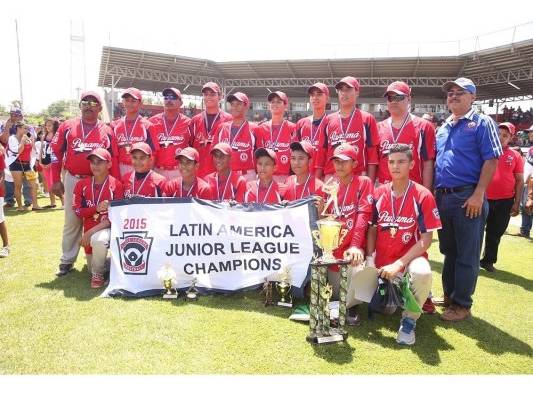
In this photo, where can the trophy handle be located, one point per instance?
(343, 234)
(316, 236)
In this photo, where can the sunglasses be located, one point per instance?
(92, 104)
(395, 98)
(456, 93)
(170, 98)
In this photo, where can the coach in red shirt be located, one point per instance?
(503, 194)
(72, 143)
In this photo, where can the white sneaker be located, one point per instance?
(406, 333)
(4, 252)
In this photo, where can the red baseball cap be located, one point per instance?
(212, 86)
(398, 87)
(305, 146)
(171, 91)
(281, 95)
(350, 81)
(264, 152)
(345, 152)
(319, 86)
(222, 147)
(510, 127)
(132, 91)
(101, 153)
(190, 153)
(93, 94)
(141, 146)
(239, 97)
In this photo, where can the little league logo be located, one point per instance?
(406, 237)
(134, 252)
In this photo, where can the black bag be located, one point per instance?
(386, 299)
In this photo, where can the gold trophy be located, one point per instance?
(284, 287)
(168, 276)
(328, 237)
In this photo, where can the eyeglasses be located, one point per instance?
(395, 98)
(92, 104)
(170, 98)
(456, 93)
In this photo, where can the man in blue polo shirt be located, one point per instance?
(468, 148)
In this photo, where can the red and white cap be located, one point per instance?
(398, 87)
(101, 153)
(93, 94)
(281, 95)
(304, 146)
(141, 146)
(239, 96)
(212, 86)
(222, 147)
(349, 81)
(319, 86)
(132, 91)
(190, 153)
(264, 152)
(172, 91)
(345, 152)
(510, 127)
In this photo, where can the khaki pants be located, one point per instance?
(97, 262)
(72, 227)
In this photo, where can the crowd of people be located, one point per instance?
(399, 180)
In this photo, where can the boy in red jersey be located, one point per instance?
(189, 185)
(142, 181)
(404, 216)
(265, 190)
(90, 202)
(226, 185)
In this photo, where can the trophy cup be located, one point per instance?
(168, 276)
(328, 237)
(267, 290)
(192, 293)
(284, 287)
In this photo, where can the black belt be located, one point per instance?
(455, 189)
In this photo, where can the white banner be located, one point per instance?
(224, 247)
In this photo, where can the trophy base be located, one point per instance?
(192, 297)
(170, 296)
(284, 304)
(334, 337)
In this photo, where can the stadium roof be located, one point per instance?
(494, 71)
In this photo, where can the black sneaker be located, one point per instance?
(352, 317)
(488, 266)
(64, 269)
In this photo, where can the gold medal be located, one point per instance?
(393, 231)
(96, 216)
(128, 148)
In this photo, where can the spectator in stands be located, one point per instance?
(468, 148)
(503, 194)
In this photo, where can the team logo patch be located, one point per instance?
(472, 124)
(349, 224)
(134, 252)
(509, 160)
(406, 237)
(244, 157)
(436, 213)
(284, 159)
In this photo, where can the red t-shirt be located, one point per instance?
(149, 184)
(86, 197)
(419, 214)
(243, 141)
(417, 133)
(232, 187)
(359, 130)
(502, 185)
(126, 133)
(295, 191)
(25, 155)
(200, 189)
(203, 129)
(279, 138)
(169, 138)
(314, 131)
(2, 168)
(267, 195)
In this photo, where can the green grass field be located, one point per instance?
(52, 325)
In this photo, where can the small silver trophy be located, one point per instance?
(192, 293)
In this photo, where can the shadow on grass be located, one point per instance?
(75, 285)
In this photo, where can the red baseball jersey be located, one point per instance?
(73, 142)
(200, 189)
(417, 133)
(265, 195)
(2, 168)
(359, 130)
(169, 138)
(279, 138)
(126, 133)
(149, 184)
(295, 191)
(86, 197)
(243, 141)
(232, 187)
(203, 128)
(315, 132)
(409, 215)
(502, 185)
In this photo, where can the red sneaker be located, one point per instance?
(428, 307)
(97, 280)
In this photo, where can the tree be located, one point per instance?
(62, 108)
